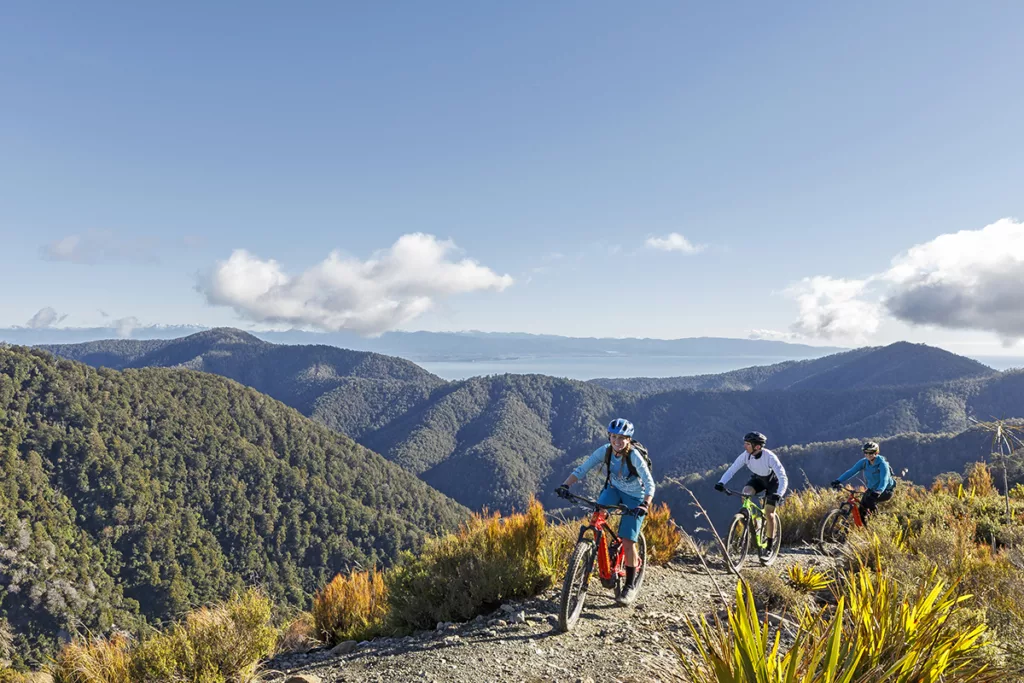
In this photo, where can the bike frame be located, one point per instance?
(607, 567)
(755, 511)
(852, 505)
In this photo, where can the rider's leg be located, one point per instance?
(869, 503)
(629, 530)
(769, 527)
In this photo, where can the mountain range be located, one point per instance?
(495, 441)
(455, 346)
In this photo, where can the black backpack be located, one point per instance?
(636, 446)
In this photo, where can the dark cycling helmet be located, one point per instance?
(756, 438)
(621, 425)
(870, 447)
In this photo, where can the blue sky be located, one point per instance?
(141, 145)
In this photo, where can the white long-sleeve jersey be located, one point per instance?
(763, 466)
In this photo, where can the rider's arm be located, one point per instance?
(645, 475)
(780, 472)
(734, 468)
(590, 463)
(859, 466)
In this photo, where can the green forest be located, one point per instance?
(129, 497)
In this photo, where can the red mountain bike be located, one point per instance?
(837, 523)
(611, 566)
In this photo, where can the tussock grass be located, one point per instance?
(212, 645)
(95, 660)
(663, 537)
(351, 607)
(489, 559)
(298, 635)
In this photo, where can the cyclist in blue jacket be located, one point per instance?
(878, 476)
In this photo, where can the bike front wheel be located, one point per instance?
(574, 588)
(737, 543)
(833, 530)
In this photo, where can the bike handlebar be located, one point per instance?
(618, 507)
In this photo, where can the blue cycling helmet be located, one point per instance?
(621, 425)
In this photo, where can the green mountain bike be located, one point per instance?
(747, 529)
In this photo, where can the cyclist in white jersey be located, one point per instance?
(768, 475)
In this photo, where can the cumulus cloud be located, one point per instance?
(832, 308)
(673, 242)
(972, 279)
(45, 317)
(125, 326)
(968, 280)
(369, 297)
(101, 246)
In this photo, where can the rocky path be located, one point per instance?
(521, 641)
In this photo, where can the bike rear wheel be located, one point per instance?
(834, 530)
(737, 543)
(574, 588)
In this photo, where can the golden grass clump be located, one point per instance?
(663, 537)
(95, 660)
(351, 607)
(212, 645)
(298, 635)
(456, 576)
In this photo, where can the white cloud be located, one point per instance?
(832, 308)
(370, 297)
(101, 246)
(972, 279)
(45, 317)
(125, 326)
(968, 280)
(673, 242)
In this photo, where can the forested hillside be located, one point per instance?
(138, 494)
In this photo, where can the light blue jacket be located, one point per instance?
(878, 475)
(638, 487)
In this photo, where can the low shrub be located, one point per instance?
(662, 534)
(771, 592)
(351, 608)
(95, 660)
(212, 645)
(803, 512)
(876, 632)
(299, 635)
(458, 575)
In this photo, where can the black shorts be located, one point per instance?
(769, 484)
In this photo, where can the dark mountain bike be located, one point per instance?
(593, 543)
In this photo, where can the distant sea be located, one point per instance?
(590, 367)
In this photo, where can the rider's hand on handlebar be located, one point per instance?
(720, 486)
(640, 510)
(562, 491)
(836, 484)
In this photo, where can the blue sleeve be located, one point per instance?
(589, 464)
(859, 467)
(884, 474)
